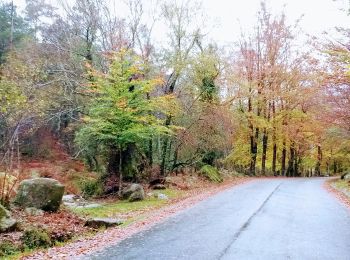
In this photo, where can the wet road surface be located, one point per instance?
(262, 219)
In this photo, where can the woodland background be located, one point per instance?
(100, 88)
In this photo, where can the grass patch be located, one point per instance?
(120, 208)
(342, 185)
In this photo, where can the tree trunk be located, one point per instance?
(120, 168)
(253, 152)
(264, 152)
(319, 160)
(113, 161)
(296, 165)
(150, 153)
(274, 158)
(274, 153)
(170, 89)
(291, 162)
(284, 157)
(150, 144)
(164, 156)
(176, 153)
(165, 148)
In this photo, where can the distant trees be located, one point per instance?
(276, 100)
(13, 28)
(337, 86)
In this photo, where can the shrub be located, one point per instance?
(90, 187)
(211, 173)
(7, 182)
(36, 238)
(8, 248)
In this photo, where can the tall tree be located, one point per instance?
(120, 113)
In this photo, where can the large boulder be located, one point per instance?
(40, 193)
(7, 223)
(133, 192)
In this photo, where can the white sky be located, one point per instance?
(230, 16)
(318, 15)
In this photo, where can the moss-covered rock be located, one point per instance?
(40, 193)
(211, 173)
(7, 223)
(134, 192)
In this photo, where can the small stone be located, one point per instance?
(162, 196)
(71, 198)
(90, 206)
(34, 211)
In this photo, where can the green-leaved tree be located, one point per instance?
(120, 114)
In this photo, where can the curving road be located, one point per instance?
(262, 219)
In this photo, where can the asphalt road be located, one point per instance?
(263, 219)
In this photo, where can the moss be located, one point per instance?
(7, 248)
(211, 173)
(36, 238)
(3, 212)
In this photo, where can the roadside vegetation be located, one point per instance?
(342, 185)
(127, 210)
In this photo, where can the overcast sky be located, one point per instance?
(318, 15)
(230, 16)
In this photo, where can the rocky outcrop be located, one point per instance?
(7, 223)
(40, 193)
(133, 192)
